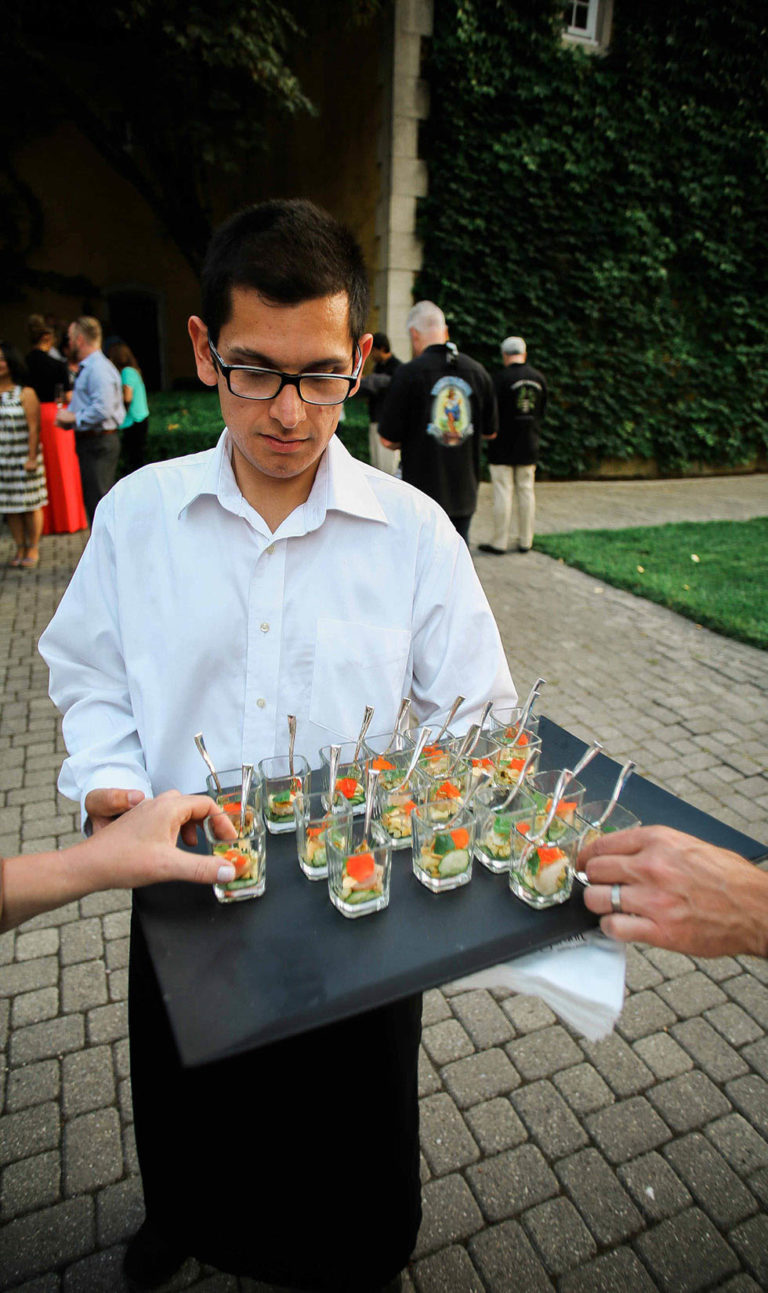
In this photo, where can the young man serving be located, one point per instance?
(271, 575)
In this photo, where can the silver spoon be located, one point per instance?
(535, 841)
(402, 714)
(485, 774)
(458, 701)
(477, 730)
(424, 736)
(291, 743)
(621, 781)
(334, 755)
(527, 707)
(363, 729)
(500, 808)
(200, 743)
(245, 790)
(586, 758)
(371, 777)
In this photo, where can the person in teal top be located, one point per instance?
(134, 428)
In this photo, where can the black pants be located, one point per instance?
(461, 524)
(98, 457)
(297, 1164)
(135, 445)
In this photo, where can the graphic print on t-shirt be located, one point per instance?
(451, 418)
(527, 397)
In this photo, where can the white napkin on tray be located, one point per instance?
(581, 979)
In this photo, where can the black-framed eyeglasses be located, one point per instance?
(267, 383)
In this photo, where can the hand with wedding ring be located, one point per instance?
(656, 885)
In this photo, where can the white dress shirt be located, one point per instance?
(187, 614)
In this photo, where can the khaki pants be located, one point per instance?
(506, 481)
(387, 460)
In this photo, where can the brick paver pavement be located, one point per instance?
(549, 1162)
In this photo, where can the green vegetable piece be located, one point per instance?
(282, 797)
(443, 844)
(503, 824)
(454, 862)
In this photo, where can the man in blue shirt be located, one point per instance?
(96, 411)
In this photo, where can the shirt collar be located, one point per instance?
(341, 485)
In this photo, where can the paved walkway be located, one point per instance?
(637, 1163)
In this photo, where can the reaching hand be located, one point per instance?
(677, 892)
(139, 847)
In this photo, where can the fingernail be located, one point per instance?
(226, 873)
(135, 796)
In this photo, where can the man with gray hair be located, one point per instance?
(437, 410)
(521, 392)
(96, 411)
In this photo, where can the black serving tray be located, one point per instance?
(237, 976)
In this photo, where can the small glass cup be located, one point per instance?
(496, 824)
(312, 817)
(505, 725)
(279, 789)
(436, 756)
(358, 869)
(350, 777)
(247, 853)
(542, 787)
(543, 876)
(440, 796)
(621, 819)
(442, 855)
(229, 798)
(396, 800)
(510, 761)
(484, 756)
(376, 745)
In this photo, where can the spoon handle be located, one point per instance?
(586, 758)
(364, 728)
(621, 781)
(423, 737)
(402, 714)
(245, 790)
(535, 841)
(527, 707)
(371, 777)
(520, 781)
(291, 742)
(458, 701)
(334, 755)
(200, 743)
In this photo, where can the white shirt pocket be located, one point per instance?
(358, 664)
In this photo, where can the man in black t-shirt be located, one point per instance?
(375, 387)
(521, 392)
(437, 410)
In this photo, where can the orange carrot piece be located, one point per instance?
(550, 855)
(460, 837)
(347, 786)
(360, 866)
(448, 791)
(382, 765)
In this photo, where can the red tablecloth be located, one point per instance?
(65, 511)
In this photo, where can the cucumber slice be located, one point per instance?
(454, 863)
(362, 895)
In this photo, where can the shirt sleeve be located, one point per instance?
(457, 649)
(88, 683)
(397, 409)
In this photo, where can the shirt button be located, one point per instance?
(264, 627)
(261, 702)
(271, 549)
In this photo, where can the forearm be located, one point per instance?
(42, 881)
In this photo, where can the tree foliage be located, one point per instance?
(614, 211)
(171, 94)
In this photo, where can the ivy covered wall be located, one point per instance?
(613, 210)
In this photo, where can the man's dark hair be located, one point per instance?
(288, 252)
(16, 366)
(380, 341)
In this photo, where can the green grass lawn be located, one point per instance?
(714, 572)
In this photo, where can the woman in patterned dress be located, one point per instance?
(22, 479)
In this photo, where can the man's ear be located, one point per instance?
(204, 364)
(365, 343)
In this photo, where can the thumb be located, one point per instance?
(111, 802)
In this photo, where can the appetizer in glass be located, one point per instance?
(359, 865)
(442, 853)
(280, 784)
(248, 855)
